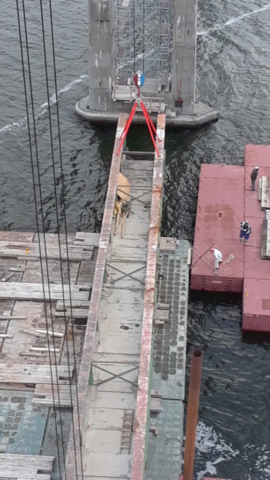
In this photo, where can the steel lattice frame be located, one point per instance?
(144, 32)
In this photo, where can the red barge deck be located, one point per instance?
(226, 199)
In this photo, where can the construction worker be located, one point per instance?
(253, 176)
(245, 231)
(218, 257)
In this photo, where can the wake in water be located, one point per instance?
(210, 443)
(44, 107)
(233, 20)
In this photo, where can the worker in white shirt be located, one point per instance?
(218, 257)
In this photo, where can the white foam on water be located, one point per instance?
(44, 107)
(210, 443)
(233, 20)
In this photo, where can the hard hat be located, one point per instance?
(256, 168)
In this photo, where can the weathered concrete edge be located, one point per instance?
(89, 340)
(141, 419)
(183, 121)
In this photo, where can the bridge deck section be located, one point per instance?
(115, 368)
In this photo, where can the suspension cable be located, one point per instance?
(57, 222)
(143, 33)
(184, 44)
(67, 250)
(34, 181)
(134, 37)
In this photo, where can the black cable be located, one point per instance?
(143, 31)
(57, 218)
(134, 37)
(184, 43)
(44, 237)
(67, 248)
(33, 173)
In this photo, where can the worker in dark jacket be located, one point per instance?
(245, 231)
(253, 176)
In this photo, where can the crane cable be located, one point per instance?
(183, 51)
(58, 222)
(35, 189)
(67, 247)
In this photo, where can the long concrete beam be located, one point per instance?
(73, 460)
(143, 396)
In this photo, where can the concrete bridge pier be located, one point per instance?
(159, 38)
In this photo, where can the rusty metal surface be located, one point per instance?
(142, 409)
(94, 308)
(192, 413)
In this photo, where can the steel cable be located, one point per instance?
(34, 184)
(58, 228)
(67, 248)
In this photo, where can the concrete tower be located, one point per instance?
(156, 37)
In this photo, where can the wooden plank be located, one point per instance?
(46, 395)
(155, 405)
(18, 373)
(81, 304)
(40, 476)
(75, 313)
(168, 244)
(16, 236)
(162, 306)
(34, 291)
(18, 472)
(162, 315)
(29, 459)
(50, 332)
(53, 238)
(31, 250)
(87, 238)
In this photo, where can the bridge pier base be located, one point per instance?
(159, 38)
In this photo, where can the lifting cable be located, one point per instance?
(35, 191)
(56, 205)
(134, 37)
(67, 252)
(143, 52)
(179, 92)
(43, 223)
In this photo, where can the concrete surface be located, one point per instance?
(168, 46)
(201, 116)
(169, 367)
(115, 364)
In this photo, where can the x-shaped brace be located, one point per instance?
(113, 375)
(135, 198)
(126, 274)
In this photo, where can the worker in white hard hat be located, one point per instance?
(218, 257)
(253, 176)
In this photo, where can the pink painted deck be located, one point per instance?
(225, 199)
(219, 213)
(256, 293)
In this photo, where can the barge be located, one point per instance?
(225, 200)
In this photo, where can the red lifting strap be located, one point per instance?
(150, 125)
